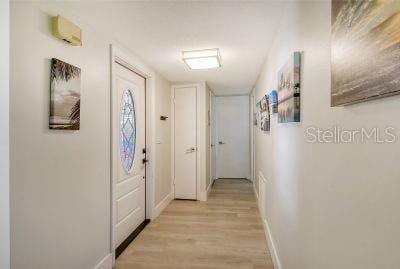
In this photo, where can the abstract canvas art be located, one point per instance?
(289, 90)
(365, 50)
(65, 84)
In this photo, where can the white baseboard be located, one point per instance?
(106, 262)
(271, 246)
(255, 191)
(204, 194)
(162, 205)
(260, 195)
(209, 187)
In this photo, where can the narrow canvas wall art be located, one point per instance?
(65, 84)
(264, 114)
(365, 50)
(289, 90)
(273, 100)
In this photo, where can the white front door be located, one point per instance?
(129, 174)
(185, 141)
(233, 147)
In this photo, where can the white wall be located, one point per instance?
(163, 139)
(328, 206)
(60, 187)
(4, 136)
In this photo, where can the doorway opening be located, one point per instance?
(132, 187)
(233, 137)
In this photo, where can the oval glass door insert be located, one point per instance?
(127, 130)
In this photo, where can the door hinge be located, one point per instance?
(144, 160)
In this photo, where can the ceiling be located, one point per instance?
(158, 31)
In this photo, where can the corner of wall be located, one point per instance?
(260, 196)
(204, 194)
(105, 263)
(271, 245)
(255, 191)
(158, 209)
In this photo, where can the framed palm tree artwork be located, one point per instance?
(65, 84)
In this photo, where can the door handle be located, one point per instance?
(221, 143)
(190, 150)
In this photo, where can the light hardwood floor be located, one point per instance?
(224, 232)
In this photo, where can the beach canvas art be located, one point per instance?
(264, 114)
(65, 84)
(289, 90)
(365, 50)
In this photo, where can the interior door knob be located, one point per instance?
(190, 150)
(221, 143)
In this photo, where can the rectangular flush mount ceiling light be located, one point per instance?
(202, 59)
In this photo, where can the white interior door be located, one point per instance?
(233, 148)
(185, 141)
(128, 145)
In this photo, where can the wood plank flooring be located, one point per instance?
(224, 232)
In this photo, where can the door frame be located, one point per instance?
(252, 130)
(5, 104)
(130, 62)
(198, 138)
(213, 130)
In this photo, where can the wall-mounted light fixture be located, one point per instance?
(202, 59)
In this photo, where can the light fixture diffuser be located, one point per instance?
(202, 59)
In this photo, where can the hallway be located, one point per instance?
(224, 232)
(244, 134)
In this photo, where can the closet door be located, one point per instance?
(185, 142)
